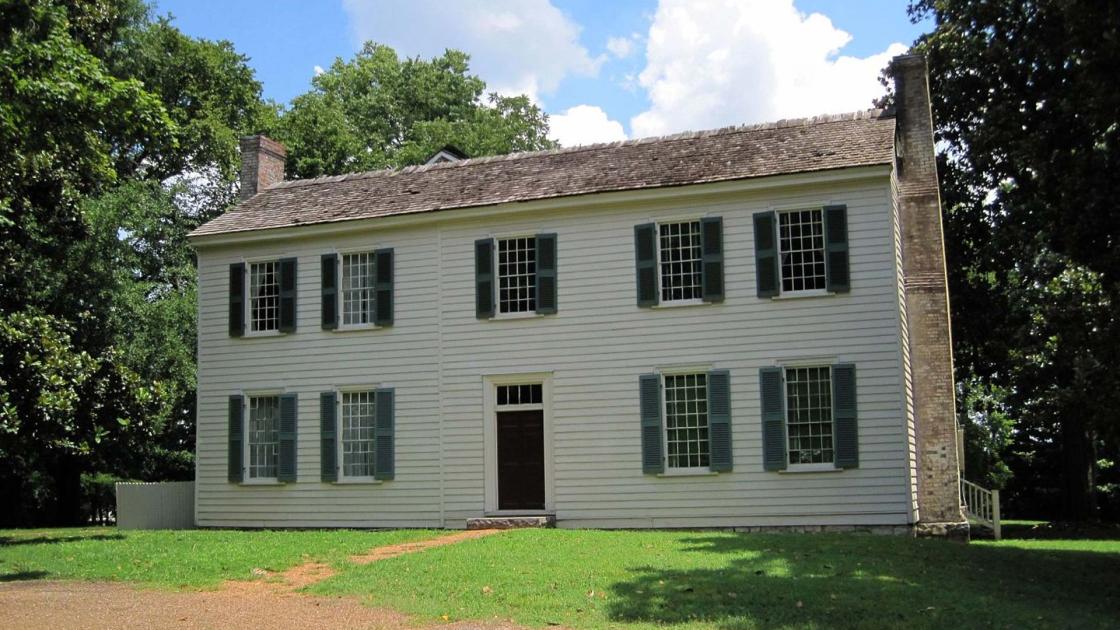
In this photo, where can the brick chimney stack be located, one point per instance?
(262, 164)
(927, 303)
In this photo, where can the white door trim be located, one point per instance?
(490, 431)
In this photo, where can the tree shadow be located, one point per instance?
(13, 541)
(1063, 531)
(837, 581)
(22, 576)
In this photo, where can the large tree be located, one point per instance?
(1027, 116)
(378, 110)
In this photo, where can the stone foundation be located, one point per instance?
(952, 531)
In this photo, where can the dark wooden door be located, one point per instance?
(521, 460)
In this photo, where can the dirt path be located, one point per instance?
(271, 602)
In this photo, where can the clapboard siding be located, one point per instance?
(437, 353)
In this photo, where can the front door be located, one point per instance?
(521, 460)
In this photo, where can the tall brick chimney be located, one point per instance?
(927, 304)
(262, 164)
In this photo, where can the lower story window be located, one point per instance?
(686, 420)
(357, 434)
(263, 436)
(809, 414)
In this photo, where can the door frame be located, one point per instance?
(490, 385)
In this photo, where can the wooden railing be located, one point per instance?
(981, 505)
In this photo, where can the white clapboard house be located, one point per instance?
(745, 327)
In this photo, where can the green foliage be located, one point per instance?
(377, 111)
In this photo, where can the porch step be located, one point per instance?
(511, 522)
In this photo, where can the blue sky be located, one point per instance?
(603, 70)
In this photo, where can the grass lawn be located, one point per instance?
(177, 559)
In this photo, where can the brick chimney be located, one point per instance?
(262, 164)
(927, 304)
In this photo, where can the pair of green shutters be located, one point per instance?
(772, 395)
(484, 276)
(711, 261)
(768, 268)
(286, 268)
(383, 438)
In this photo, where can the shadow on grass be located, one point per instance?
(23, 576)
(12, 541)
(871, 582)
(1052, 531)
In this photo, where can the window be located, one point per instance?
(357, 289)
(519, 394)
(263, 436)
(264, 296)
(801, 243)
(679, 247)
(517, 275)
(809, 415)
(686, 420)
(357, 439)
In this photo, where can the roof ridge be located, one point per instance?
(868, 114)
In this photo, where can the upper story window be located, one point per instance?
(809, 414)
(802, 249)
(357, 440)
(264, 296)
(680, 260)
(686, 420)
(517, 275)
(263, 436)
(358, 289)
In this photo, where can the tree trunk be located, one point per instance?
(1077, 470)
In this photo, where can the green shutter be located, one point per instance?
(287, 295)
(383, 440)
(329, 286)
(645, 258)
(484, 278)
(236, 438)
(546, 273)
(328, 446)
(649, 397)
(383, 277)
(237, 299)
(836, 248)
(844, 417)
(289, 425)
(719, 420)
(766, 266)
(711, 248)
(772, 401)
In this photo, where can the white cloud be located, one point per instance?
(620, 47)
(584, 124)
(516, 46)
(319, 70)
(714, 63)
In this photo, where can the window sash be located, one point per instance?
(262, 436)
(809, 430)
(685, 413)
(356, 432)
(264, 296)
(801, 250)
(517, 274)
(679, 261)
(357, 288)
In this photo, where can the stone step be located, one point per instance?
(511, 522)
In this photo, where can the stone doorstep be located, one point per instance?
(511, 522)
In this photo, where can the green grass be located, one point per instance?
(177, 559)
(595, 579)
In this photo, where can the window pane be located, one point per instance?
(264, 436)
(517, 275)
(680, 261)
(357, 288)
(686, 420)
(802, 245)
(519, 394)
(357, 434)
(809, 414)
(264, 296)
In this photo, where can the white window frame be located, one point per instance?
(490, 385)
(246, 447)
(497, 291)
(688, 471)
(799, 364)
(342, 477)
(803, 293)
(247, 296)
(340, 254)
(657, 223)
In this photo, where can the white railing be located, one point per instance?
(981, 505)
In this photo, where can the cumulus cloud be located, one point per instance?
(319, 70)
(516, 46)
(584, 124)
(714, 63)
(621, 47)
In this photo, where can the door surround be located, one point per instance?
(490, 385)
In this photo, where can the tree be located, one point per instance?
(378, 111)
(1028, 118)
